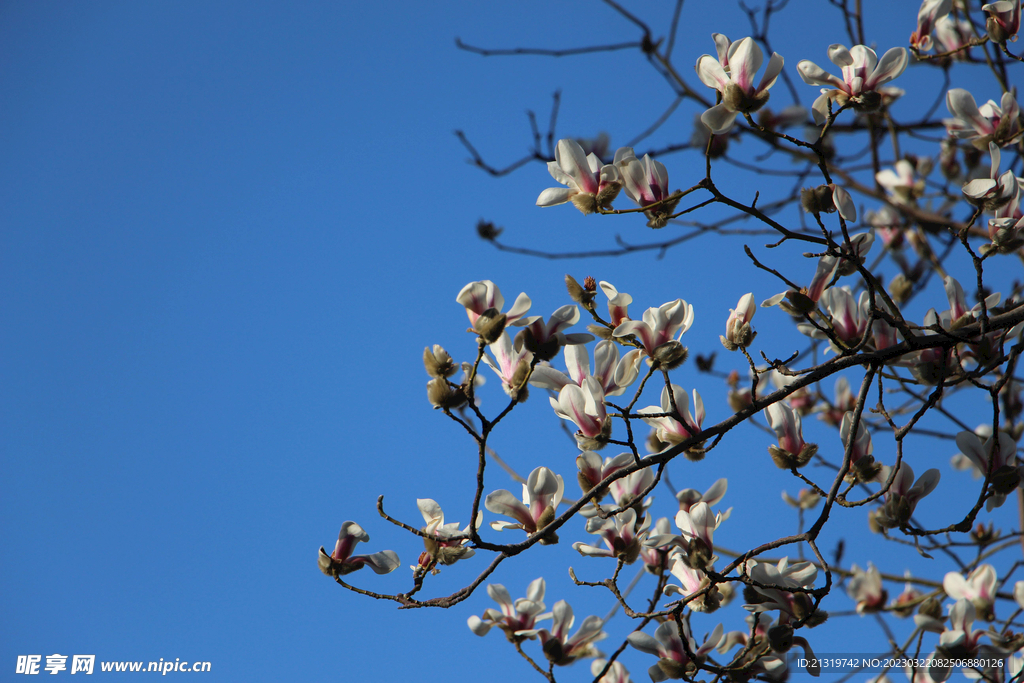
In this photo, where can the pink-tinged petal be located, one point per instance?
(962, 105)
(823, 274)
(535, 592)
(711, 73)
(840, 56)
(560, 176)
(864, 59)
(892, 64)
(716, 492)
(635, 327)
(771, 73)
(812, 74)
(502, 502)
(844, 203)
(519, 308)
(553, 196)
(561, 619)
(500, 595)
(594, 163)
(383, 562)
(577, 361)
(957, 298)
(645, 643)
(719, 119)
(819, 110)
(546, 377)
(721, 47)
(745, 59)
(573, 162)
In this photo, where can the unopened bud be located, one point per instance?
(867, 101)
(673, 669)
(698, 554)
(595, 443)
(931, 608)
(670, 355)
(578, 293)
(900, 288)
(1005, 479)
(441, 395)
(437, 362)
(799, 302)
(817, 199)
(486, 230)
(780, 637)
(996, 33)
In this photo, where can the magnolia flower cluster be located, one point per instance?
(591, 186)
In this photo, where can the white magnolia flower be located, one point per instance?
(589, 185)
(542, 493)
(991, 122)
(514, 618)
(863, 75)
(342, 561)
(733, 77)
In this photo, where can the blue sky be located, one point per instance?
(229, 231)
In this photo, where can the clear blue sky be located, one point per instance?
(228, 231)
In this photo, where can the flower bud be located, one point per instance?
(441, 395)
(780, 637)
(1005, 479)
(673, 669)
(900, 288)
(698, 554)
(931, 608)
(437, 362)
(578, 294)
(867, 101)
(799, 303)
(817, 199)
(996, 32)
(670, 355)
(983, 535)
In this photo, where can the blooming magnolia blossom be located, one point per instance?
(844, 401)
(996, 190)
(996, 457)
(479, 297)
(792, 451)
(791, 605)
(862, 465)
(849, 318)
(629, 490)
(342, 561)
(979, 587)
(733, 77)
(517, 619)
(620, 533)
(863, 74)
(692, 580)
(771, 665)
(617, 673)
(799, 303)
(589, 185)
(584, 407)
(907, 601)
(617, 303)
(646, 183)
(930, 12)
(689, 497)
(991, 122)
(659, 326)
(511, 363)
(865, 588)
(901, 184)
(546, 338)
(959, 638)
(667, 645)
(1003, 20)
(903, 495)
(954, 35)
(669, 429)
(440, 547)
(542, 493)
(592, 471)
(562, 649)
(615, 374)
(738, 333)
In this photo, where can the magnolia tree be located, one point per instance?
(869, 375)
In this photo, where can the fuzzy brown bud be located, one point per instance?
(490, 325)
(437, 362)
(670, 355)
(780, 637)
(578, 293)
(817, 199)
(486, 230)
(931, 608)
(441, 395)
